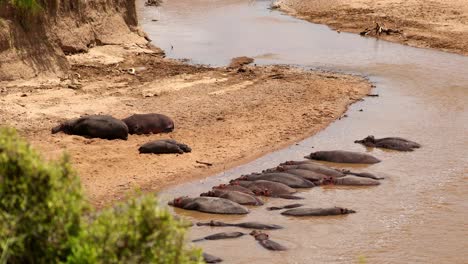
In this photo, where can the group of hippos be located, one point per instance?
(282, 182)
(108, 127)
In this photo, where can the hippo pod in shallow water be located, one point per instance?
(235, 196)
(355, 181)
(281, 177)
(363, 174)
(211, 205)
(395, 143)
(317, 211)
(317, 168)
(249, 225)
(149, 123)
(223, 235)
(264, 240)
(94, 126)
(164, 146)
(342, 156)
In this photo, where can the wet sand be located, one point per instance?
(439, 24)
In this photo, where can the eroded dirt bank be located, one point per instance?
(439, 24)
(227, 117)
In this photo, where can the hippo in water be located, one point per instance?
(312, 176)
(210, 258)
(289, 206)
(235, 196)
(164, 146)
(94, 126)
(355, 181)
(281, 177)
(249, 225)
(342, 156)
(212, 205)
(395, 143)
(149, 123)
(264, 240)
(317, 211)
(274, 188)
(235, 187)
(321, 169)
(218, 236)
(363, 174)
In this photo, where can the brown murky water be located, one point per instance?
(420, 212)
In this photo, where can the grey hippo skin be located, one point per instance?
(317, 211)
(249, 225)
(313, 167)
(289, 206)
(395, 143)
(223, 235)
(281, 177)
(342, 156)
(210, 258)
(235, 196)
(363, 174)
(312, 176)
(94, 126)
(236, 188)
(211, 205)
(164, 146)
(264, 240)
(356, 181)
(272, 188)
(149, 123)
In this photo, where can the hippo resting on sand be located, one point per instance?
(250, 225)
(395, 143)
(281, 177)
(342, 156)
(235, 196)
(210, 258)
(264, 240)
(317, 211)
(148, 123)
(223, 235)
(164, 146)
(211, 205)
(355, 181)
(94, 126)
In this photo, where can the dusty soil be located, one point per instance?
(439, 24)
(227, 116)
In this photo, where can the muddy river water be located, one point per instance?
(420, 212)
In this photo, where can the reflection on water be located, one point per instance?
(419, 213)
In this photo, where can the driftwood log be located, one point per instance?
(380, 29)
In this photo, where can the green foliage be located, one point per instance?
(30, 5)
(44, 218)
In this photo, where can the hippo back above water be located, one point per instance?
(342, 156)
(94, 126)
(149, 124)
(395, 143)
(212, 205)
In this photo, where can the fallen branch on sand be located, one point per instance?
(204, 163)
(379, 29)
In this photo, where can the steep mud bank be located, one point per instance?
(35, 44)
(439, 24)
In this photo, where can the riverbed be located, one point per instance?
(418, 214)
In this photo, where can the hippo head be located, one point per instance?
(179, 202)
(169, 126)
(368, 140)
(209, 194)
(328, 180)
(347, 211)
(280, 168)
(258, 235)
(65, 127)
(270, 170)
(221, 186)
(288, 163)
(314, 156)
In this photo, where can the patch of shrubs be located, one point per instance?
(44, 217)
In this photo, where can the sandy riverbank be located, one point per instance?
(227, 117)
(439, 24)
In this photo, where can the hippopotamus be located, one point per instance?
(210, 258)
(312, 176)
(264, 240)
(342, 156)
(223, 235)
(272, 188)
(363, 174)
(235, 187)
(149, 123)
(164, 146)
(317, 211)
(235, 196)
(289, 206)
(281, 177)
(355, 181)
(395, 143)
(249, 225)
(212, 205)
(299, 162)
(94, 126)
(313, 167)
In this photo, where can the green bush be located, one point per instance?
(44, 218)
(30, 5)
